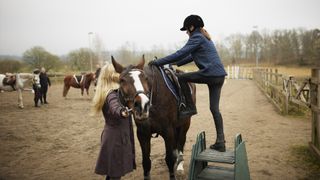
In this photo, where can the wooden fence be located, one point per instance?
(56, 77)
(315, 108)
(239, 72)
(285, 92)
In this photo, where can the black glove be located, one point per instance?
(153, 63)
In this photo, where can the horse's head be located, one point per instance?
(134, 88)
(89, 77)
(96, 76)
(36, 79)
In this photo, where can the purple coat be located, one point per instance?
(117, 154)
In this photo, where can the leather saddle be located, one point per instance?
(9, 80)
(171, 74)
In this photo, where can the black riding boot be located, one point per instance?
(220, 144)
(220, 141)
(187, 107)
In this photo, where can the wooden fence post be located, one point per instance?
(276, 71)
(271, 74)
(315, 108)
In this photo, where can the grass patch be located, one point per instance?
(303, 157)
(298, 111)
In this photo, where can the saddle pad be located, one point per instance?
(8, 81)
(169, 84)
(78, 78)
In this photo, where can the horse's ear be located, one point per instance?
(141, 63)
(118, 67)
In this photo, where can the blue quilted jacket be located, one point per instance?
(200, 50)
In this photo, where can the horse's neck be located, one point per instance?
(20, 81)
(21, 78)
(153, 75)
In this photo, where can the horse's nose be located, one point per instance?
(147, 106)
(137, 106)
(142, 104)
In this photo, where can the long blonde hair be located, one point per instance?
(205, 33)
(108, 80)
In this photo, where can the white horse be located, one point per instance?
(20, 80)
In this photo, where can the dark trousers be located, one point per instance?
(37, 94)
(44, 90)
(112, 178)
(214, 84)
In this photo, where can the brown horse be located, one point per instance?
(154, 109)
(78, 81)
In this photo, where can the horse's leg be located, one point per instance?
(144, 140)
(20, 100)
(87, 89)
(82, 89)
(181, 140)
(169, 139)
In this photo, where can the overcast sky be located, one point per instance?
(63, 25)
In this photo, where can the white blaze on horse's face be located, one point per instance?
(139, 87)
(36, 79)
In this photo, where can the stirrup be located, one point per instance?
(182, 105)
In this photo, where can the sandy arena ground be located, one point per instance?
(61, 140)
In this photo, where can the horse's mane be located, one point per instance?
(152, 73)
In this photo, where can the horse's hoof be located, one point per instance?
(180, 175)
(147, 177)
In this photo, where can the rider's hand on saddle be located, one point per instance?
(124, 112)
(153, 63)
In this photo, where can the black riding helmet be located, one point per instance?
(192, 20)
(36, 71)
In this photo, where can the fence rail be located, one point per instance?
(285, 92)
(239, 72)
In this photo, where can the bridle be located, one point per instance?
(127, 99)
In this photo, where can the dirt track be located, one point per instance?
(61, 140)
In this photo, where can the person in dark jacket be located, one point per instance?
(200, 50)
(36, 86)
(117, 153)
(45, 83)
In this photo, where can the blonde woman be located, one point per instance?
(117, 154)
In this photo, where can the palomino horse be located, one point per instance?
(16, 82)
(82, 82)
(154, 109)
